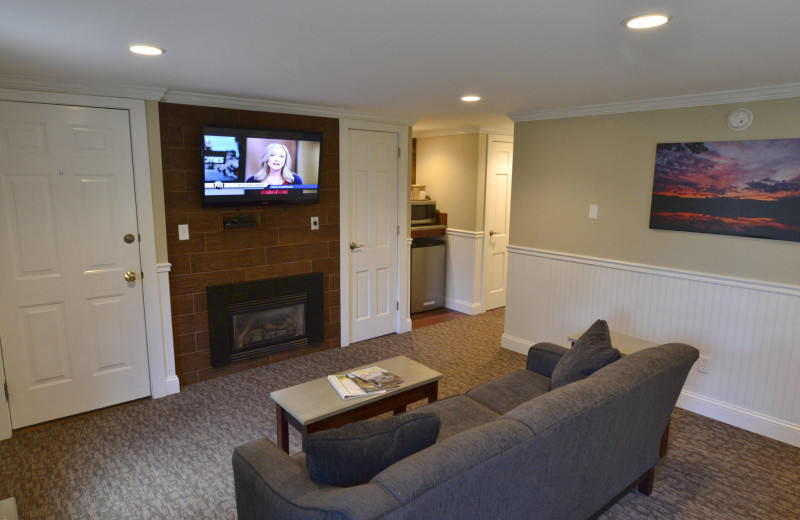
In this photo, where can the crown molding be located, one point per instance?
(443, 132)
(11, 81)
(262, 105)
(62, 86)
(692, 100)
(468, 129)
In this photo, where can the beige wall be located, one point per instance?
(561, 166)
(156, 180)
(449, 167)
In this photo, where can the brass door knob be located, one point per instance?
(493, 233)
(354, 246)
(130, 276)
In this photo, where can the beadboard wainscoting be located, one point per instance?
(750, 330)
(463, 271)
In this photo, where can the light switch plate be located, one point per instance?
(314, 223)
(183, 231)
(593, 211)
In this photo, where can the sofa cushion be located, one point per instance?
(511, 390)
(458, 413)
(543, 358)
(590, 353)
(358, 451)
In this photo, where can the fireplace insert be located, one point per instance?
(249, 319)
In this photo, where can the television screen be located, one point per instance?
(251, 167)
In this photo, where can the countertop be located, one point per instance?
(428, 231)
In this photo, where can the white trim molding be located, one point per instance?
(155, 306)
(84, 88)
(467, 129)
(5, 411)
(408, 325)
(693, 100)
(740, 417)
(749, 329)
(91, 88)
(263, 105)
(745, 283)
(171, 383)
(403, 320)
(463, 271)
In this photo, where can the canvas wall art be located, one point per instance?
(744, 188)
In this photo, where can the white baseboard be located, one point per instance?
(173, 385)
(409, 325)
(462, 306)
(516, 344)
(740, 417)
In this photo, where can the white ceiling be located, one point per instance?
(410, 60)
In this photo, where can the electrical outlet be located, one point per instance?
(704, 365)
(314, 223)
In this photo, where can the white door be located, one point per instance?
(372, 218)
(499, 157)
(71, 326)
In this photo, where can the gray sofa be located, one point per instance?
(510, 448)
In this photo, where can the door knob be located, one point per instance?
(130, 276)
(354, 246)
(129, 238)
(493, 233)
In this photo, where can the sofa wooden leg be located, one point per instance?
(662, 449)
(646, 483)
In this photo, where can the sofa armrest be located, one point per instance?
(271, 485)
(543, 358)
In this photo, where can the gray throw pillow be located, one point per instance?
(358, 451)
(589, 354)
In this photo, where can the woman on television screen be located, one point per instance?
(276, 167)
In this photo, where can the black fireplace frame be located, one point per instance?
(221, 297)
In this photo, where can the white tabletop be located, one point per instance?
(316, 400)
(625, 344)
(8, 509)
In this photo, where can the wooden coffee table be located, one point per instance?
(315, 405)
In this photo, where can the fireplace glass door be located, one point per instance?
(262, 323)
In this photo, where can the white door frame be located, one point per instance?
(403, 245)
(158, 314)
(486, 237)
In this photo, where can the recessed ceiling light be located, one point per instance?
(646, 22)
(471, 99)
(147, 50)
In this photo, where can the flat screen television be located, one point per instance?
(244, 167)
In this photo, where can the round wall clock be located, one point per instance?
(739, 119)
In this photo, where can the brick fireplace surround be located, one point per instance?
(285, 245)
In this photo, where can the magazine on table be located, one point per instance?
(377, 377)
(347, 388)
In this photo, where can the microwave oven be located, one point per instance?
(423, 212)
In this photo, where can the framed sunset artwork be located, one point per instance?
(744, 188)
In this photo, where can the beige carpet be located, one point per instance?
(170, 458)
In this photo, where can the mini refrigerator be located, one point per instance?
(427, 273)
